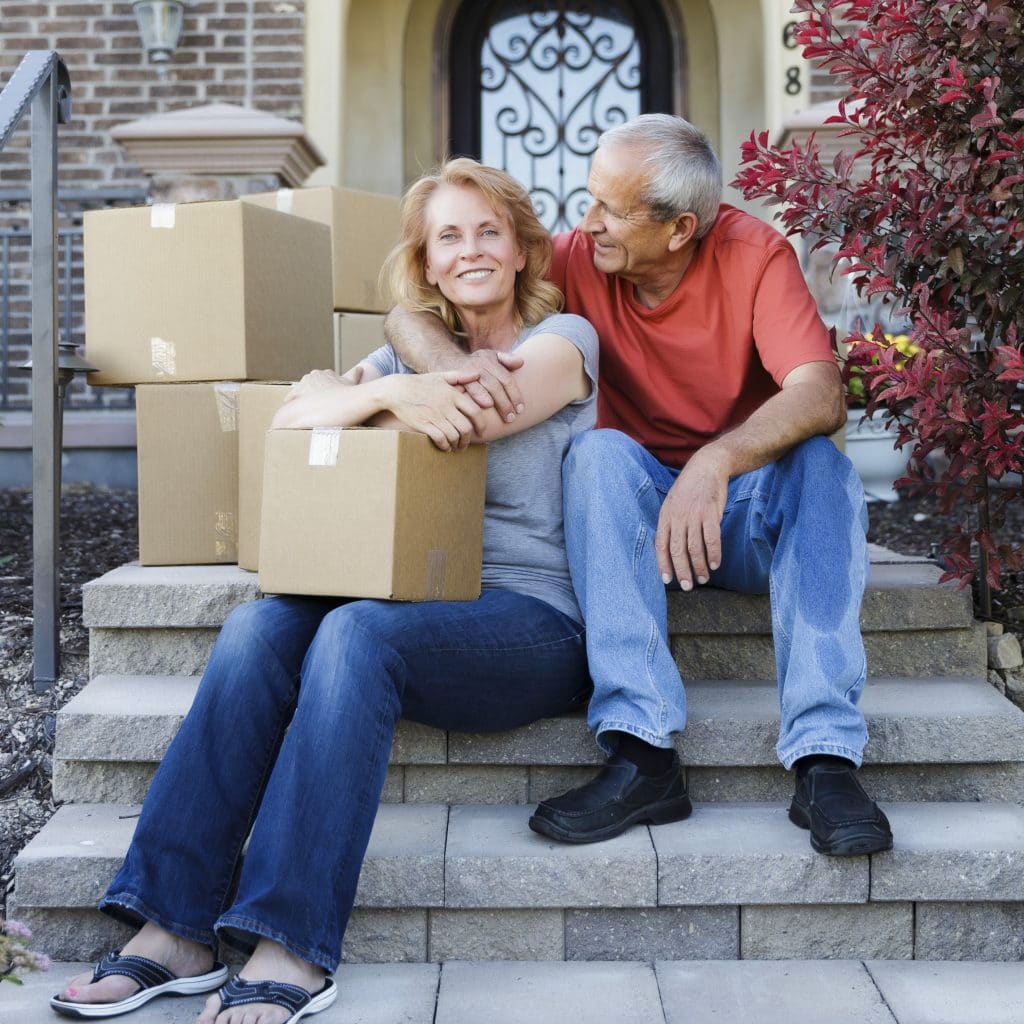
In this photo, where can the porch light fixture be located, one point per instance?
(160, 23)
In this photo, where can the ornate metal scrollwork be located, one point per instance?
(553, 77)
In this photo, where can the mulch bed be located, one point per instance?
(99, 533)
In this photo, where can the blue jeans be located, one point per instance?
(289, 737)
(795, 529)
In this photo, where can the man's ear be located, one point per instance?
(684, 231)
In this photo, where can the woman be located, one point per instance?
(338, 675)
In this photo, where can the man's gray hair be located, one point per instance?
(686, 176)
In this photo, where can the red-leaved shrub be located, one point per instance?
(925, 212)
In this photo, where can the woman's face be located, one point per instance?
(472, 251)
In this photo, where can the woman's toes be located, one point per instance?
(108, 990)
(209, 1014)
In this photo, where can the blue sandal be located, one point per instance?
(300, 1003)
(152, 978)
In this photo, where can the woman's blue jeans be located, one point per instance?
(289, 738)
(795, 529)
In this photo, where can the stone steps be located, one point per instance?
(735, 881)
(662, 992)
(454, 874)
(164, 620)
(964, 741)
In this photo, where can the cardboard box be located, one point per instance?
(364, 227)
(205, 292)
(363, 512)
(257, 404)
(356, 335)
(188, 473)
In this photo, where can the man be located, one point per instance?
(709, 466)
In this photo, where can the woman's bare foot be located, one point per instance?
(181, 957)
(269, 962)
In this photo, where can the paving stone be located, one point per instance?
(394, 785)
(622, 993)
(952, 851)
(496, 935)
(466, 784)
(1003, 781)
(959, 652)
(69, 934)
(73, 858)
(404, 864)
(386, 936)
(830, 932)
(951, 993)
(749, 853)
(547, 782)
(384, 994)
(124, 717)
(166, 595)
(653, 933)
(770, 992)
(561, 740)
(134, 718)
(102, 782)
(150, 652)
(494, 860)
(897, 594)
(969, 931)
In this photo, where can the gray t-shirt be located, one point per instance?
(524, 548)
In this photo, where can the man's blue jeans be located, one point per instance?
(795, 529)
(289, 738)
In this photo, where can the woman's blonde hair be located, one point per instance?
(404, 271)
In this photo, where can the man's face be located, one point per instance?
(628, 241)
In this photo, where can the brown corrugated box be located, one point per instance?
(364, 228)
(188, 473)
(356, 335)
(362, 512)
(205, 292)
(257, 404)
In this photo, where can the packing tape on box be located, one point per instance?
(226, 395)
(163, 356)
(437, 564)
(284, 200)
(225, 534)
(324, 443)
(161, 215)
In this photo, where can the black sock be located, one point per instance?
(649, 759)
(810, 760)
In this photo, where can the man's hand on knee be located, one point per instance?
(688, 543)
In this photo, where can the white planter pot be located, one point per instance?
(871, 448)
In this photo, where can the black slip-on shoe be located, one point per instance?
(618, 797)
(844, 821)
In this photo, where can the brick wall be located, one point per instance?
(245, 52)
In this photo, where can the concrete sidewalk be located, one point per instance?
(677, 992)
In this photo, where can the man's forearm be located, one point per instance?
(421, 340)
(798, 412)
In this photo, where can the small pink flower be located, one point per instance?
(17, 929)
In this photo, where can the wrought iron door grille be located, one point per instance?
(534, 84)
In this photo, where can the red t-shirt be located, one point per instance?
(677, 376)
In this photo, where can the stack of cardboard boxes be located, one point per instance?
(209, 310)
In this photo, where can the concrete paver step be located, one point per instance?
(662, 992)
(902, 593)
(948, 738)
(735, 880)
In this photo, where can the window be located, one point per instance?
(533, 85)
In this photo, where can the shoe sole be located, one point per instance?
(853, 842)
(662, 813)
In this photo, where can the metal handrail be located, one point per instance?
(41, 83)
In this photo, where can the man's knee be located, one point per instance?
(596, 455)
